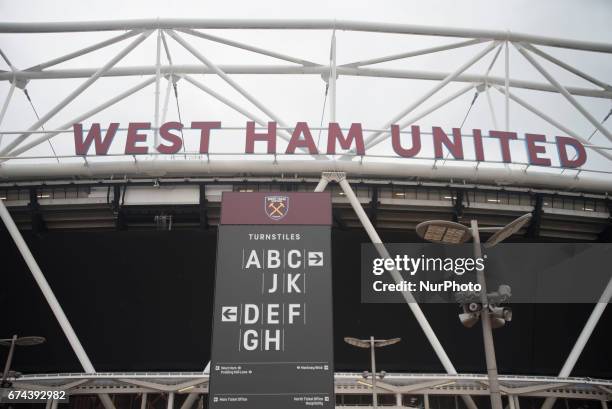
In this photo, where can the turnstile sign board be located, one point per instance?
(272, 341)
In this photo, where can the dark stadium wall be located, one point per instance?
(142, 301)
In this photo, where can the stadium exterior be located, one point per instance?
(119, 192)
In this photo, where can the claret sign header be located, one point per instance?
(570, 152)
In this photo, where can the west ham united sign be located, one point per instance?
(272, 336)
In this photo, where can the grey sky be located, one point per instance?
(371, 101)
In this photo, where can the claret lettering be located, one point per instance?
(538, 150)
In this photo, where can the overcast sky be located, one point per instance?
(371, 101)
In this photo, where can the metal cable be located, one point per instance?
(322, 114)
(25, 91)
(178, 109)
(326, 86)
(462, 122)
(592, 134)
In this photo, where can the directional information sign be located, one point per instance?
(272, 336)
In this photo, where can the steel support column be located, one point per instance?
(553, 122)
(340, 178)
(563, 91)
(82, 117)
(189, 401)
(582, 340)
(225, 77)
(143, 401)
(332, 79)
(422, 114)
(435, 89)
(157, 85)
(5, 105)
(56, 308)
(75, 93)
(170, 401)
(487, 331)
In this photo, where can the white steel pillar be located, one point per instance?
(422, 114)
(143, 401)
(225, 77)
(76, 92)
(380, 247)
(507, 84)
(332, 79)
(82, 117)
(170, 400)
(398, 400)
(426, 401)
(511, 401)
(450, 77)
(157, 84)
(322, 184)
(170, 79)
(517, 402)
(189, 401)
(568, 67)
(83, 51)
(56, 308)
(563, 91)
(582, 339)
(554, 122)
(6, 103)
(604, 404)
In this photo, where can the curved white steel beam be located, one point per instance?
(247, 47)
(298, 24)
(296, 70)
(227, 167)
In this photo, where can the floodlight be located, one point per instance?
(443, 231)
(508, 230)
(23, 341)
(385, 342)
(361, 343)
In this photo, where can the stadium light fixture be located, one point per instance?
(372, 344)
(11, 343)
(447, 232)
(443, 231)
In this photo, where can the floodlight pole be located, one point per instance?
(340, 178)
(9, 359)
(373, 359)
(487, 332)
